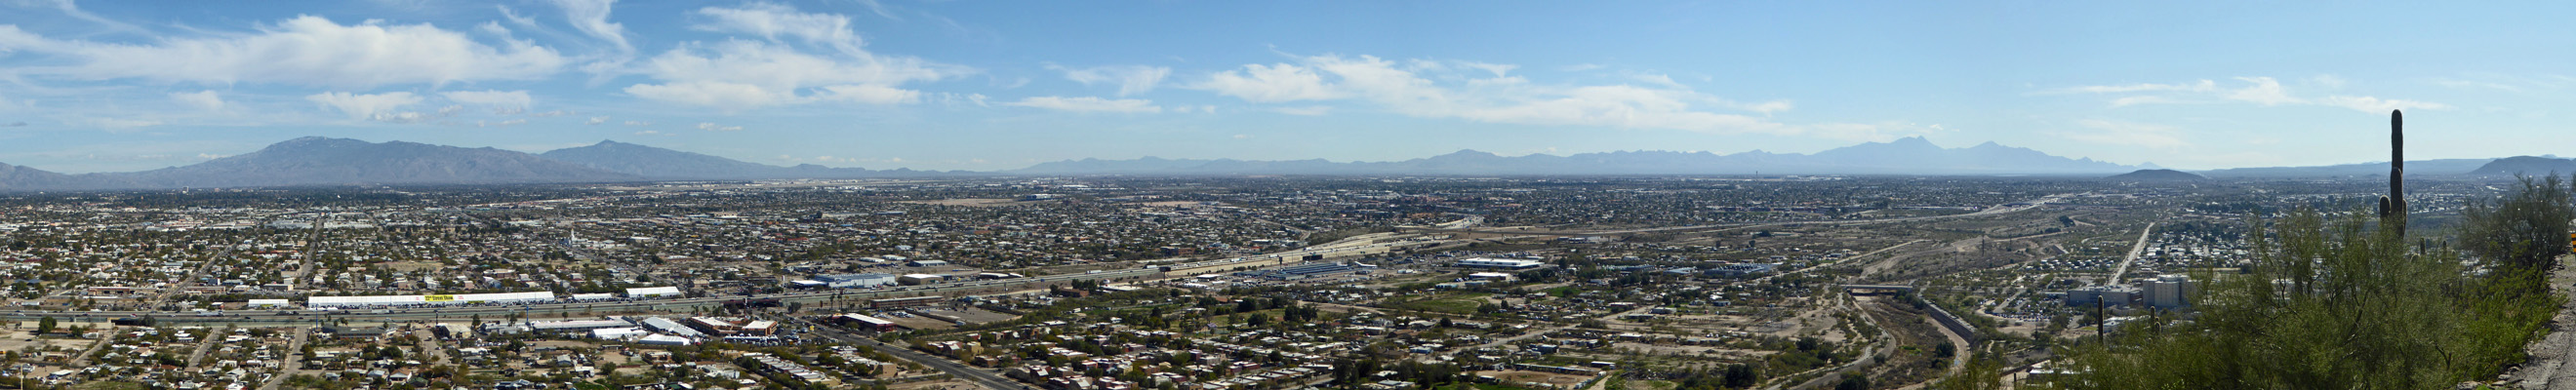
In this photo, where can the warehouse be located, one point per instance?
(417, 300)
(855, 280)
(1499, 263)
(920, 279)
(653, 292)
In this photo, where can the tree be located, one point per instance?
(1853, 381)
(45, 325)
(1740, 376)
(2521, 232)
(2338, 304)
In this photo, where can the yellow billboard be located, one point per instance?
(437, 298)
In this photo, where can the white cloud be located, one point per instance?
(712, 126)
(595, 121)
(739, 75)
(1269, 84)
(591, 17)
(1131, 79)
(376, 107)
(1089, 104)
(120, 123)
(1306, 111)
(1410, 88)
(495, 98)
(2202, 86)
(202, 100)
(2377, 105)
(2264, 91)
(306, 50)
(771, 21)
(638, 123)
(2129, 134)
(504, 123)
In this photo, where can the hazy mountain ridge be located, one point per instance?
(1913, 155)
(2156, 175)
(2379, 168)
(336, 161)
(659, 163)
(2527, 166)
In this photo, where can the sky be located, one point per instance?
(993, 85)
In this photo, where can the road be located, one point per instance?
(2134, 251)
(293, 362)
(496, 311)
(952, 367)
(1989, 211)
(1845, 260)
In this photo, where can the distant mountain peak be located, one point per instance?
(2157, 175)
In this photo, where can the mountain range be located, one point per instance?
(1907, 156)
(318, 161)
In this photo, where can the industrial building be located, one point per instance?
(1743, 270)
(854, 280)
(418, 300)
(653, 292)
(666, 325)
(866, 322)
(2105, 295)
(1500, 263)
(920, 279)
(2170, 291)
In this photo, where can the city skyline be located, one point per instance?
(981, 86)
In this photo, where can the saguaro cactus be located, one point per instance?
(2392, 207)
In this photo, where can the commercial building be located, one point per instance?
(665, 340)
(1499, 263)
(2105, 295)
(866, 322)
(855, 280)
(1743, 270)
(576, 325)
(653, 292)
(920, 279)
(418, 300)
(2170, 291)
(666, 325)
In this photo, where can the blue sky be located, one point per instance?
(982, 85)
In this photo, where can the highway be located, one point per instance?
(494, 311)
(952, 367)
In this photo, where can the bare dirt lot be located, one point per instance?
(1558, 380)
(970, 315)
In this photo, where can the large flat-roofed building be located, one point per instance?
(856, 280)
(653, 292)
(666, 325)
(1500, 263)
(919, 279)
(415, 300)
